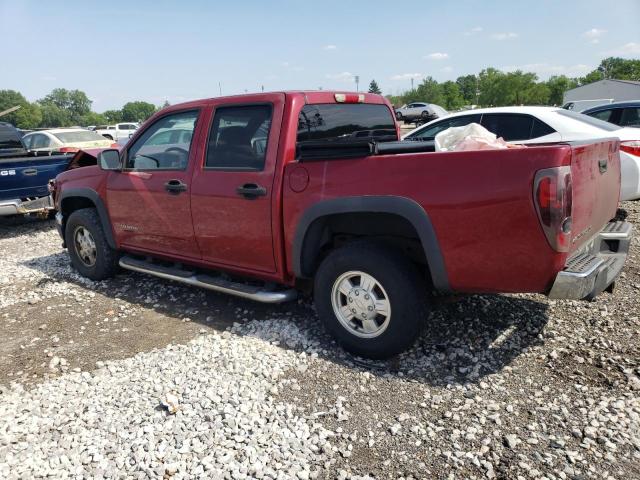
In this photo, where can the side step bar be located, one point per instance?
(202, 280)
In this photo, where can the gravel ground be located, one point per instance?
(141, 378)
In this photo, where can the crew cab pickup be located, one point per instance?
(24, 175)
(265, 195)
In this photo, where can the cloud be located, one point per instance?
(436, 56)
(628, 49)
(504, 35)
(594, 35)
(473, 31)
(407, 76)
(342, 76)
(546, 69)
(285, 64)
(447, 69)
(330, 47)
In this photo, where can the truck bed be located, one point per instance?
(480, 204)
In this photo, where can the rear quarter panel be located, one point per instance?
(480, 204)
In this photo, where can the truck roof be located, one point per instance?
(311, 96)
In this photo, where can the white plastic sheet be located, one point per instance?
(469, 137)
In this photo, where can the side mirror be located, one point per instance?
(109, 160)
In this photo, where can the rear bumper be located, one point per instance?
(22, 207)
(596, 266)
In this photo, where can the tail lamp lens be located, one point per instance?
(631, 147)
(553, 196)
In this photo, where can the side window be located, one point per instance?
(238, 138)
(40, 141)
(161, 147)
(540, 129)
(604, 115)
(27, 141)
(630, 117)
(430, 132)
(509, 126)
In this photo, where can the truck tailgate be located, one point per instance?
(595, 173)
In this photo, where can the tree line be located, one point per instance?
(494, 88)
(65, 108)
(490, 87)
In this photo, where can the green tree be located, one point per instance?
(453, 99)
(54, 116)
(430, 91)
(557, 86)
(374, 88)
(75, 103)
(27, 116)
(616, 68)
(113, 116)
(137, 111)
(468, 85)
(93, 118)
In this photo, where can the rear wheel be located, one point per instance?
(371, 299)
(89, 250)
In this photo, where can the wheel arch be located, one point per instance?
(76, 198)
(310, 234)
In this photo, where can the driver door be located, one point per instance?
(149, 200)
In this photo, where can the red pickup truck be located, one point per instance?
(267, 194)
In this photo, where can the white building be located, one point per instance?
(602, 91)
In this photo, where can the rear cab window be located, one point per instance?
(346, 123)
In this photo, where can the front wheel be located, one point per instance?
(89, 250)
(371, 299)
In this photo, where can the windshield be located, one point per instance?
(78, 136)
(594, 122)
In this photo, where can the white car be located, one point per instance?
(64, 139)
(528, 125)
(119, 131)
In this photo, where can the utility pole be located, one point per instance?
(9, 110)
(411, 83)
(262, 87)
(357, 78)
(220, 88)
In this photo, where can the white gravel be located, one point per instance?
(115, 421)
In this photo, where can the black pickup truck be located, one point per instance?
(25, 175)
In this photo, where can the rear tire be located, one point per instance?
(89, 250)
(372, 299)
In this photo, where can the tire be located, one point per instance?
(105, 264)
(424, 116)
(399, 116)
(398, 280)
(108, 137)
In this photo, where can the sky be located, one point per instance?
(120, 51)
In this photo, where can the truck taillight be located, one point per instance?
(632, 147)
(553, 198)
(349, 97)
(69, 149)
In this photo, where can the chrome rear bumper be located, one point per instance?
(595, 267)
(22, 207)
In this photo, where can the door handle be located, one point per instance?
(175, 186)
(251, 191)
(30, 172)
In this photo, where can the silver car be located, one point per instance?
(420, 112)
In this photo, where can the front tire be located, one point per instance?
(371, 299)
(89, 250)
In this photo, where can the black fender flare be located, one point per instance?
(401, 206)
(95, 198)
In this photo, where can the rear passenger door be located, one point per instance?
(232, 190)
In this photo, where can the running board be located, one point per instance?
(202, 280)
